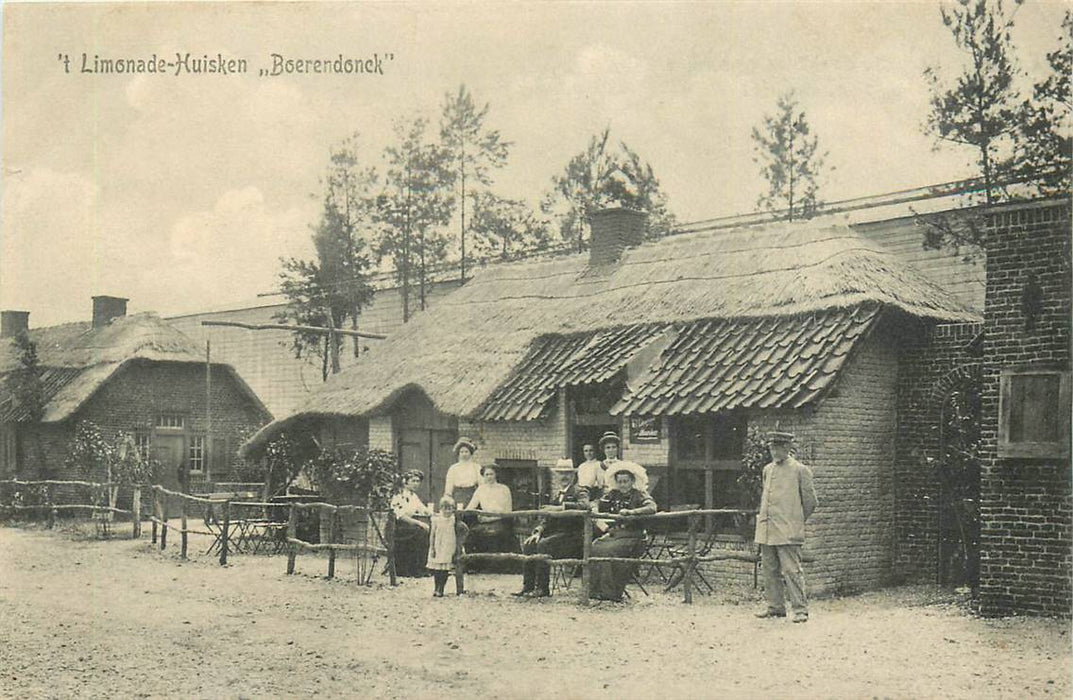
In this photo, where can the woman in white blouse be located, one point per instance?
(411, 533)
(464, 475)
(492, 533)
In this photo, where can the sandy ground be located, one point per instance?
(89, 618)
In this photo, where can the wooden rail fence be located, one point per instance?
(51, 508)
(383, 540)
(688, 562)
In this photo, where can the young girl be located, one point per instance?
(443, 540)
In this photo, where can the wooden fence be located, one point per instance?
(382, 541)
(105, 493)
(688, 561)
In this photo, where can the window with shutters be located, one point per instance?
(1034, 413)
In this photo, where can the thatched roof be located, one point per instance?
(77, 359)
(463, 348)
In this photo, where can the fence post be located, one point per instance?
(182, 533)
(292, 533)
(163, 520)
(226, 535)
(333, 519)
(586, 552)
(460, 566)
(389, 533)
(136, 512)
(687, 579)
(156, 510)
(49, 505)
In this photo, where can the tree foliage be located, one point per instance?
(474, 150)
(364, 474)
(117, 460)
(27, 387)
(604, 175)
(504, 227)
(414, 207)
(1045, 152)
(979, 110)
(332, 289)
(790, 161)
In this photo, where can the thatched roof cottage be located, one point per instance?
(680, 345)
(133, 374)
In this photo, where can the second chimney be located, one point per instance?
(13, 322)
(613, 231)
(106, 308)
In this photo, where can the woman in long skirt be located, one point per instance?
(626, 539)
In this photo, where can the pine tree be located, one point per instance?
(413, 209)
(334, 287)
(1045, 155)
(980, 110)
(474, 150)
(789, 158)
(602, 175)
(505, 227)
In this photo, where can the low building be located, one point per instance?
(131, 374)
(681, 345)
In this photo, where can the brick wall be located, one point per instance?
(1026, 514)
(543, 440)
(934, 360)
(848, 441)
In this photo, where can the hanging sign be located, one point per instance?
(645, 430)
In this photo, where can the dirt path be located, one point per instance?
(91, 618)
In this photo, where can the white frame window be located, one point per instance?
(170, 421)
(196, 454)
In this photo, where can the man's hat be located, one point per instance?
(563, 465)
(777, 437)
(609, 436)
(465, 442)
(632, 468)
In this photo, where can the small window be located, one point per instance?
(143, 443)
(1033, 413)
(197, 453)
(171, 421)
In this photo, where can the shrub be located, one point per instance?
(363, 475)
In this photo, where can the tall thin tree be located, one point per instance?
(475, 151)
(790, 160)
(413, 208)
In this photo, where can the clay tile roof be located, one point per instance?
(722, 365)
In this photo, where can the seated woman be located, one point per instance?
(492, 533)
(411, 534)
(608, 580)
(559, 538)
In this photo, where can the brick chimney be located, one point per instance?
(106, 308)
(13, 322)
(614, 230)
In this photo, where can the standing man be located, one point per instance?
(787, 501)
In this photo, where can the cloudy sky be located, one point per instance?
(182, 192)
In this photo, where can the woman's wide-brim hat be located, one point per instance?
(632, 468)
(465, 442)
(609, 436)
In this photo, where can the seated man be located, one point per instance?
(492, 533)
(625, 538)
(559, 538)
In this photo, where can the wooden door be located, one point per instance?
(170, 452)
(414, 453)
(443, 456)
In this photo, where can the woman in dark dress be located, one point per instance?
(411, 533)
(624, 538)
